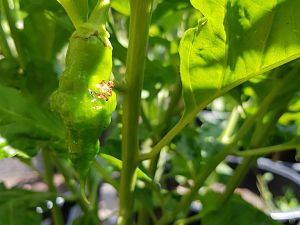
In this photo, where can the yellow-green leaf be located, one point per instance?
(236, 41)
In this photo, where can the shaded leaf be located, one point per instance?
(166, 8)
(9, 75)
(41, 19)
(18, 207)
(39, 81)
(24, 125)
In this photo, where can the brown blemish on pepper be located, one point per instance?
(105, 89)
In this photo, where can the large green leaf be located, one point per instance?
(237, 40)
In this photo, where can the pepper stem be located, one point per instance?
(82, 190)
(99, 14)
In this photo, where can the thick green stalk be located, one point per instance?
(48, 175)
(136, 56)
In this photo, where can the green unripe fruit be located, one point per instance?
(85, 100)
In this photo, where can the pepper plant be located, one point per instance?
(153, 69)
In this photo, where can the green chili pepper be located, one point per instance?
(85, 100)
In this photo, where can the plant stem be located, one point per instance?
(209, 167)
(14, 33)
(3, 43)
(175, 97)
(260, 134)
(99, 13)
(143, 217)
(258, 139)
(48, 174)
(93, 186)
(227, 133)
(236, 179)
(72, 12)
(266, 120)
(165, 140)
(189, 220)
(135, 64)
(106, 176)
(70, 182)
(266, 150)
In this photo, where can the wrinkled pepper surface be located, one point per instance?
(85, 99)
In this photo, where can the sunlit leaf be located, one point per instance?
(236, 41)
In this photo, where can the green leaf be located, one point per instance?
(168, 14)
(121, 6)
(39, 5)
(45, 20)
(24, 125)
(9, 75)
(17, 207)
(237, 40)
(235, 212)
(82, 7)
(39, 81)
